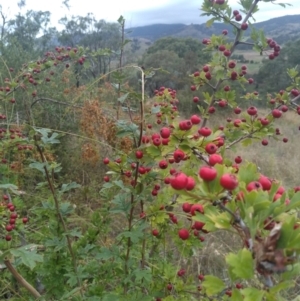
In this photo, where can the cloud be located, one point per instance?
(187, 12)
(179, 11)
(139, 12)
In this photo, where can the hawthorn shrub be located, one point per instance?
(173, 192)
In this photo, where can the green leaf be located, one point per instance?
(247, 142)
(28, 256)
(110, 297)
(236, 295)
(251, 294)
(281, 286)
(123, 98)
(241, 264)
(295, 202)
(66, 208)
(155, 110)
(51, 139)
(213, 285)
(69, 186)
(142, 275)
(248, 173)
(105, 254)
(210, 22)
(153, 151)
(11, 187)
(39, 166)
(121, 204)
(221, 220)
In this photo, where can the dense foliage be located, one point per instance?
(108, 194)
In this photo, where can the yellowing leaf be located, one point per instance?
(213, 285)
(241, 264)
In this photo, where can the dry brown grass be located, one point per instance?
(278, 160)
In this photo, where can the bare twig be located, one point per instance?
(21, 280)
(55, 101)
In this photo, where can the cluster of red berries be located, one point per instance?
(162, 90)
(11, 216)
(11, 132)
(276, 49)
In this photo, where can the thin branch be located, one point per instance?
(293, 101)
(60, 217)
(235, 43)
(240, 139)
(55, 101)
(21, 280)
(199, 155)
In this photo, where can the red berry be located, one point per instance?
(154, 192)
(139, 154)
(105, 160)
(8, 238)
(237, 110)
(178, 155)
(222, 47)
(225, 32)
(14, 215)
(195, 119)
(244, 26)
(211, 148)
(252, 111)
(197, 208)
(265, 182)
(215, 159)
(205, 131)
(207, 173)
(231, 64)
(186, 207)
(211, 110)
(183, 234)
(181, 272)
(255, 185)
(163, 164)
(198, 225)
(9, 228)
(179, 182)
(156, 141)
(276, 113)
(238, 160)
(165, 132)
(155, 232)
(228, 293)
(227, 53)
(280, 190)
(169, 287)
(185, 125)
(229, 181)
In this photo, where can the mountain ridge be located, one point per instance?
(282, 28)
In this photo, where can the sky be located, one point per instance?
(142, 12)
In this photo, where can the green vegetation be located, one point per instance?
(131, 174)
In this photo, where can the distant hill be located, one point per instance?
(282, 29)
